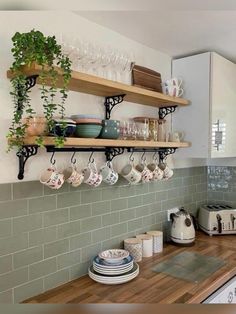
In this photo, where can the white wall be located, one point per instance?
(57, 23)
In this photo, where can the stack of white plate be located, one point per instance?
(113, 267)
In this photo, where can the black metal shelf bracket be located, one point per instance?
(112, 152)
(24, 154)
(164, 152)
(110, 103)
(30, 83)
(164, 111)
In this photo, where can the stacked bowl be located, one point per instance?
(113, 267)
(88, 125)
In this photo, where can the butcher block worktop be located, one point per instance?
(152, 287)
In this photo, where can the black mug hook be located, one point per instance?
(73, 159)
(131, 157)
(142, 157)
(90, 158)
(155, 157)
(52, 159)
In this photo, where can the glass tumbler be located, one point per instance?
(162, 130)
(153, 129)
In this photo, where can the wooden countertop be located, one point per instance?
(149, 286)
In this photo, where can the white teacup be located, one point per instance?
(91, 176)
(109, 175)
(176, 136)
(132, 175)
(73, 177)
(174, 81)
(168, 173)
(52, 178)
(157, 173)
(146, 174)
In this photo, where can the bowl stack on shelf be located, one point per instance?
(113, 267)
(88, 125)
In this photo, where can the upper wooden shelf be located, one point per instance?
(94, 142)
(90, 84)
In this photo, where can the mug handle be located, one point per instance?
(181, 91)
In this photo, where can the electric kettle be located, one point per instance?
(182, 228)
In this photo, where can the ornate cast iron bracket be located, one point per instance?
(164, 111)
(164, 152)
(112, 152)
(24, 154)
(111, 102)
(30, 83)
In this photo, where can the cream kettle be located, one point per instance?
(182, 227)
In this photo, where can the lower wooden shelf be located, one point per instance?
(88, 142)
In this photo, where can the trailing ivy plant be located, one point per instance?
(45, 51)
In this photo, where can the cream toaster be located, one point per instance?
(217, 219)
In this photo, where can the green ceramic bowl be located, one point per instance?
(88, 130)
(110, 132)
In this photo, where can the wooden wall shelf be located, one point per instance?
(88, 142)
(90, 84)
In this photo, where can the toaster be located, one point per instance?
(217, 219)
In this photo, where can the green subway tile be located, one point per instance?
(100, 208)
(101, 234)
(56, 279)
(187, 180)
(172, 203)
(110, 193)
(27, 189)
(42, 204)
(134, 201)
(42, 268)
(149, 198)
(13, 244)
(149, 220)
(5, 264)
(155, 207)
(28, 290)
(65, 188)
(192, 189)
(187, 199)
(228, 196)
(14, 278)
(6, 297)
(91, 223)
(68, 229)
(80, 240)
(27, 223)
(135, 224)
(127, 191)
(119, 204)
(110, 219)
(91, 196)
(173, 193)
(161, 195)
(118, 229)
(13, 209)
(114, 243)
(197, 179)
(81, 211)
(141, 188)
(68, 199)
(79, 270)
(5, 228)
(68, 259)
(128, 214)
(56, 248)
(5, 192)
(201, 187)
(142, 211)
(27, 257)
(55, 217)
(42, 236)
(155, 186)
(89, 252)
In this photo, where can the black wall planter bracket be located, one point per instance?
(23, 155)
(110, 103)
(30, 83)
(164, 111)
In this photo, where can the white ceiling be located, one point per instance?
(176, 33)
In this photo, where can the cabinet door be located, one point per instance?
(223, 107)
(194, 119)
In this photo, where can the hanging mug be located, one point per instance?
(73, 176)
(109, 175)
(168, 173)
(146, 174)
(52, 178)
(157, 173)
(91, 176)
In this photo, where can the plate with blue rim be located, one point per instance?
(102, 263)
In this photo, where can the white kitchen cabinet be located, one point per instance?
(209, 122)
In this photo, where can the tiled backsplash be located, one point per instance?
(48, 237)
(222, 185)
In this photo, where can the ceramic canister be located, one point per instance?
(134, 247)
(147, 244)
(157, 240)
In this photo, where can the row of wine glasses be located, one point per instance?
(92, 58)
